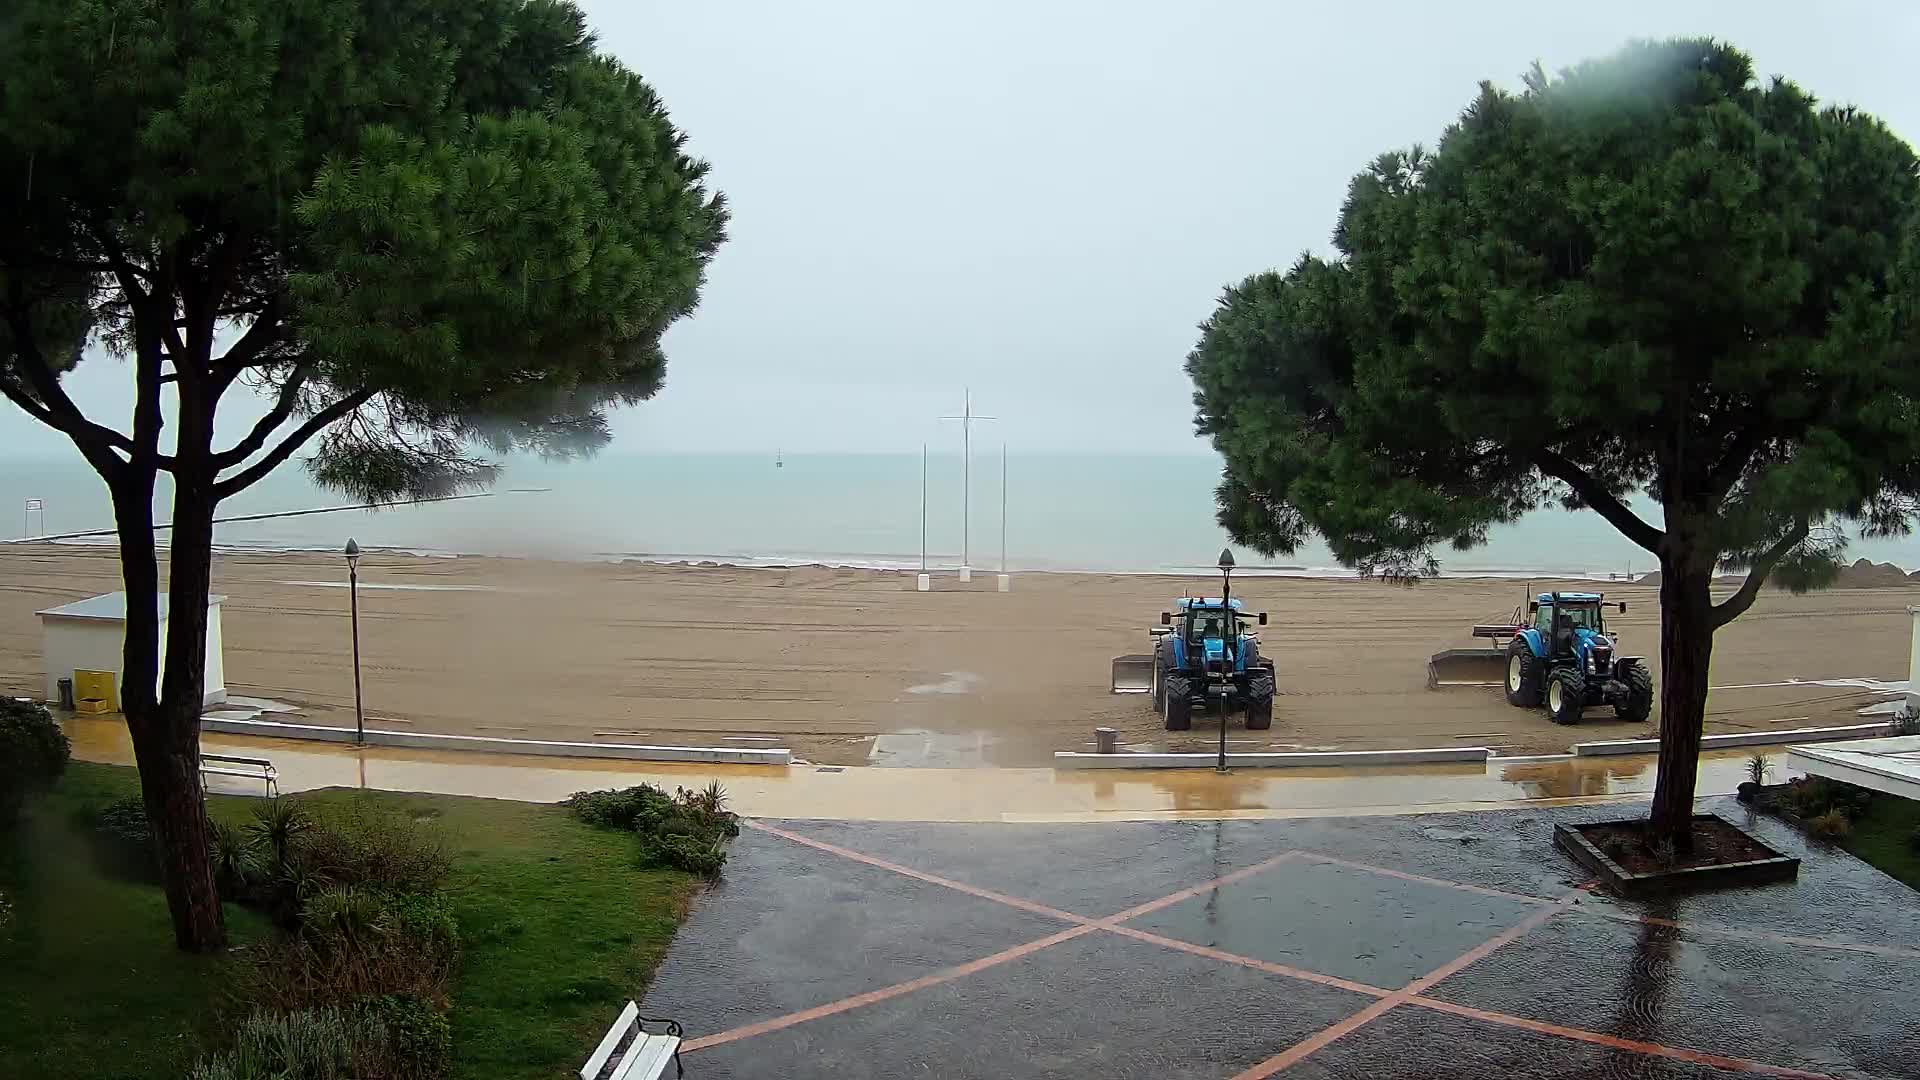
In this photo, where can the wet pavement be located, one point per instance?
(1450, 945)
(952, 794)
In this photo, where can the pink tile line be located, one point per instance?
(1306, 1047)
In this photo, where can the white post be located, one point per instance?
(1005, 583)
(925, 581)
(966, 418)
(1913, 663)
(966, 490)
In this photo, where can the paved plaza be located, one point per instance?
(1450, 945)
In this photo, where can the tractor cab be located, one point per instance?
(1570, 623)
(1204, 626)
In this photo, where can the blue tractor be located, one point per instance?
(1567, 658)
(1204, 654)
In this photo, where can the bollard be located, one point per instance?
(1005, 583)
(1106, 740)
(966, 573)
(924, 583)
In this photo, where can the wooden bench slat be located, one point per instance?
(628, 1017)
(648, 1059)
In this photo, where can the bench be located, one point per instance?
(248, 768)
(641, 1056)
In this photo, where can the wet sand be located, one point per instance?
(824, 660)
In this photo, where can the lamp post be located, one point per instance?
(353, 594)
(1231, 634)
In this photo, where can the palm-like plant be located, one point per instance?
(277, 824)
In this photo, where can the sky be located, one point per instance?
(1041, 201)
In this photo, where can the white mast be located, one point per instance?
(966, 418)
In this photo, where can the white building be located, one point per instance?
(90, 635)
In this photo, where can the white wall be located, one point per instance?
(79, 644)
(96, 645)
(215, 686)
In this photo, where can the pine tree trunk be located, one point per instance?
(165, 728)
(1686, 648)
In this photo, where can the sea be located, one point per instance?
(1054, 512)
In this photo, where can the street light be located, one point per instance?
(353, 592)
(1232, 643)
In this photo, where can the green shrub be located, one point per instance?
(352, 944)
(694, 854)
(239, 871)
(312, 1044)
(1913, 841)
(684, 831)
(391, 1037)
(123, 839)
(419, 1040)
(277, 824)
(33, 754)
(1832, 826)
(386, 853)
(630, 808)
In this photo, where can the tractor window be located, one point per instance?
(1208, 624)
(1543, 619)
(1583, 618)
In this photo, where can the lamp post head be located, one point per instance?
(1226, 561)
(352, 553)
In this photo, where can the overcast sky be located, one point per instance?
(1042, 200)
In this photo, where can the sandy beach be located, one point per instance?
(825, 660)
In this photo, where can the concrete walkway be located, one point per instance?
(1435, 946)
(978, 795)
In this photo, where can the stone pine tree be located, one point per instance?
(1648, 275)
(423, 231)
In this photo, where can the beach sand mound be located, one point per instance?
(1863, 574)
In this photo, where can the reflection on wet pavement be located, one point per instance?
(938, 794)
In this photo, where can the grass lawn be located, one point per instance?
(1882, 837)
(559, 927)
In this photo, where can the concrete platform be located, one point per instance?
(1890, 765)
(1452, 945)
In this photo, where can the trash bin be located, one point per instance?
(66, 694)
(1106, 740)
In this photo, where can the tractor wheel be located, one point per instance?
(1523, 675)
(1260, 701)
(1178, 708)
(1639, 702)
(1566, 696)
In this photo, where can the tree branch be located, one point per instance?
(56, 409)
(1736, 605)
(1733, 464)
(315, 424)
(1599, 499)
(282, 409)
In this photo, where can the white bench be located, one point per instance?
(248, 768)
(641, 1056)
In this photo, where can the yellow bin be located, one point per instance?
(94, 692)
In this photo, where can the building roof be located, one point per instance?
(1890, 765)
(109, 607)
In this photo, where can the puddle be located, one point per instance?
(929, 750)
(956, 682)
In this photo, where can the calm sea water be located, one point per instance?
(1063, 512)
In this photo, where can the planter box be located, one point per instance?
(1572, 840)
